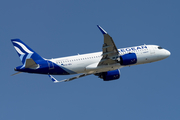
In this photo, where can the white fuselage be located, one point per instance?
(88, 63)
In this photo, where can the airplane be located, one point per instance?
(105, 64)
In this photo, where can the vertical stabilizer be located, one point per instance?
(24, 51)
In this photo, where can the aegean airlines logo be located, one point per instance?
(132, 49)
(23, 51)
(23, 47)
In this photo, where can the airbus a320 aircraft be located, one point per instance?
(105, 64)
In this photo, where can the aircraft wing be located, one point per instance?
(66, 80)
(110, 51)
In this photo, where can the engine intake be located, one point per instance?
(128, 59)
(110, 75)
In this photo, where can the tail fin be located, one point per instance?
(24, 51)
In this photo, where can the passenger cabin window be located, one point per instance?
(160, 47)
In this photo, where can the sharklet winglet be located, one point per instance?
(53, 79)
(102, 30)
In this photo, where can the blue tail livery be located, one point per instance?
(24, 51)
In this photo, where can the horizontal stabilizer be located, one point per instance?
(30, 63)
(16, 73)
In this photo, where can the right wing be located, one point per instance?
(110, 51)
(110, 54)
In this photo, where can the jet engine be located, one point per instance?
(128, 59)
(110, 75)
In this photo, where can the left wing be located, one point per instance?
(110, 51)
(66, 80)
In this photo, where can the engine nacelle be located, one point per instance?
(128, 59)
(110, 75)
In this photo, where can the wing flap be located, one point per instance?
(109, 48)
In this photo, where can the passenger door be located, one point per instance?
(51, 65)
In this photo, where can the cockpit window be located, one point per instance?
(160, 47)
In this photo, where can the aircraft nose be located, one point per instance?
(167, 53)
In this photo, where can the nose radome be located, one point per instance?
(167, 53)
